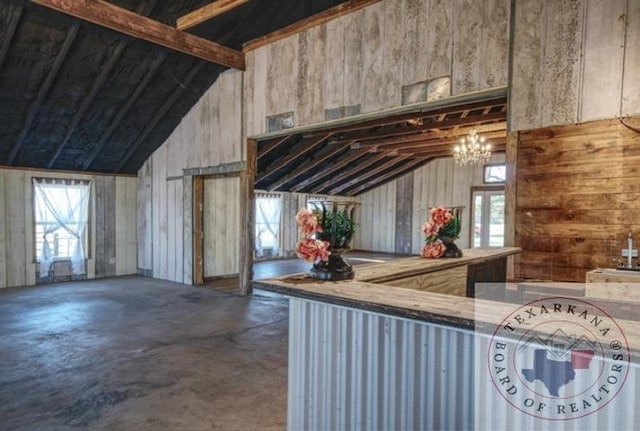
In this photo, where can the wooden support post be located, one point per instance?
(511, 160)
(198, 232)
(247, 180)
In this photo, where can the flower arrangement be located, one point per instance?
(320, 233)
(440, 231)
(310, 248)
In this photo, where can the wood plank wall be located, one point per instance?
(577, 198)
(112, 240)
(209, 136)
(366, 57)
(439, 182)
(574, 61)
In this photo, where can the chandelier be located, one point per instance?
(472, 150)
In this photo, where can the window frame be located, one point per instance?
(485, 169)
(496, 187)
(89, 224)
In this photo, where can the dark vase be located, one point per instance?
(336, 268)
(452, 248)
(336, 219)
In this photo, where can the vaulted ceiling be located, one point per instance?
(75, 95)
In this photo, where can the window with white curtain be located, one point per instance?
(61, 213)
(267, 224)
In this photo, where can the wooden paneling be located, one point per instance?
(448, 281)
(376, 220)
(577, 198)
(630, 83)
(366, 57)
(221, 226)
(573, 61)
(105, 210)
(404, 214)
(17, 255)
(125, 230)
(145, 218)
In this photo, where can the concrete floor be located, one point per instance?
(141, 354)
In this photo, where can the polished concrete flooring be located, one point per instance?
(141, 354)
(136, 353)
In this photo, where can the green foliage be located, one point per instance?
(451, 229)
(344, 228)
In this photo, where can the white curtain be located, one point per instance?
(268, 216)
(62, 204)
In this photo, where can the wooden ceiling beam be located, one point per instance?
(44, 90)
(456, 133)
(306, 166)
(349, 158)
(144, 8)
(207, 12)
(169, 102)
(438, 115)
(437, 141)
(304, 147)
(266, 147)
(445, 150)
(360, 166)
(368, 174)
(132, 24)
(406, 167)
(154, 66)
(388, 133)
(15, 13)
(305, 24)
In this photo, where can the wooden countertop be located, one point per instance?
(415, 265)
(368, 292)
(461, 312)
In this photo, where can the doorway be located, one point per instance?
(487, 216)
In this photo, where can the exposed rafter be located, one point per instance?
(307, 166)
(368, 174)
(153, 69)
(207, 12)
(344, 161)
(44, 90)
(170, 101)
(15, 12)
(145, 8)
(305, 24)
(132, 24)
(363, 164)
(267, 146)
(305, 147)
(406, 167)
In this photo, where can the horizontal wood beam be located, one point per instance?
(207, 12)
(132, 24)
(305, 24)
(389, 133)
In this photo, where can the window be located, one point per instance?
(495, 173)
(487, 217)
(61, 211)
(268, 208)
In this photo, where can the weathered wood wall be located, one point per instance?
(362, 61)
(207, 141)
(578, 196)
(112, 225)
(382, 221)
(221, 226)
(574, 61)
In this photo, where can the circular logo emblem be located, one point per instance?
(558, 358)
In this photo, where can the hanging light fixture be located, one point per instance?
(472, 149)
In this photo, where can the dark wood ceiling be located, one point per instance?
(350, 159)
(78, 96)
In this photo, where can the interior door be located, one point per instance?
(487, 218)
(221, 227)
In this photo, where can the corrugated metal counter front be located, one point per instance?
(366, 355)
